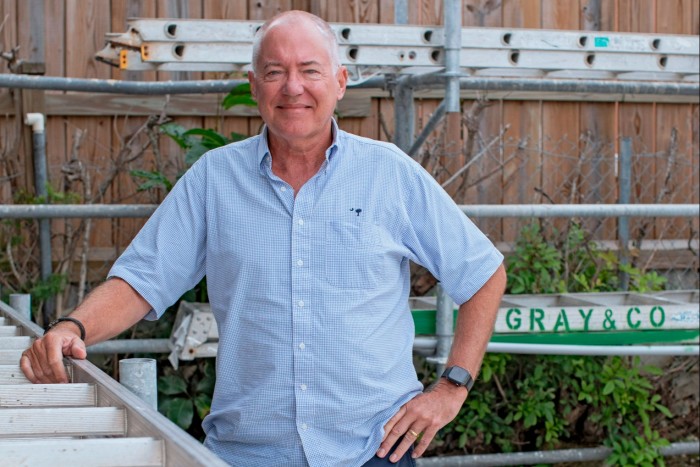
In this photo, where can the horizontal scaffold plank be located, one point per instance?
(123, 452)
(15, 342)
(12, 374)
(47, 395)
(9, 331)
(81, 421)
(10, 357)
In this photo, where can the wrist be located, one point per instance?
(444, 386)
(67, 322)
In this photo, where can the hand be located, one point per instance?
(425, 414)
(43, 361)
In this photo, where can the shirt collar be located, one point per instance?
(265, 158)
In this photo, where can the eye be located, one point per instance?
(312, 73)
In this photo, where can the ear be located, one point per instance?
(342, 77)
(251, 80)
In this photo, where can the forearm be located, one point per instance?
(108, 310)
(475, 322)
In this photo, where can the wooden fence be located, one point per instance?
(95, 129)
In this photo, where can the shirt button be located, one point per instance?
(302, 346)
(304, 426)
(300, 222)
(283, 188)
(303, 387)
(300, 263)
(300, 303)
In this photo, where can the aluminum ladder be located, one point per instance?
(371, 49)
(91, 421)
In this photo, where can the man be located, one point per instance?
(305, 234)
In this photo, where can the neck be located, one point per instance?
(296, 162)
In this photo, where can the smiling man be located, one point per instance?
(305, 234)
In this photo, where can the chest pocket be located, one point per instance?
(354, 257)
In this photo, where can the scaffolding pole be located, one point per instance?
(67, 211)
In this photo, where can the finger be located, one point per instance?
(409, 438)
(39, 353)
(393, 421)
(399, 430)
(35, 357)
(25, 365)
(77, 349)
(399, 425)
(54, 357)
(424, 441)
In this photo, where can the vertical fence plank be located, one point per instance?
(674, 16)
(560, 121)
(637, 121)
(635, 16)
(266, 9)
(523, 155)
(125, 188)
(487, 173)
(87, 21)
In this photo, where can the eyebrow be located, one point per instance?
(279, 64)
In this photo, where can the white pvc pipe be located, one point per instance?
(425, 345)
(36, 121)
(554, 349)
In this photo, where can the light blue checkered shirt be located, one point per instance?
(310, 293)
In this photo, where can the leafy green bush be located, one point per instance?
(524, 403)
(569, 262)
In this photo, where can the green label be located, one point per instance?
(601, 41)
(543, 318)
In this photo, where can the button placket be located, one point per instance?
(301, 306)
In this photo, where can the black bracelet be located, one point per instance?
(72, 320)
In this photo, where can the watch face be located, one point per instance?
(459, 375)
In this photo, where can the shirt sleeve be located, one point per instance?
(167, 257)
(445, 241)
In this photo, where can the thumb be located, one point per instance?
(76, 349)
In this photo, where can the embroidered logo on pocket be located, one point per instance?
(357, 210)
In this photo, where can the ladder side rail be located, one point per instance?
(200, 30)
(144, 421)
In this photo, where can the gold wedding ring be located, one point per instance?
(415, 435)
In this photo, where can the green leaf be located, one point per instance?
(172, 384)
(203, 404)
(210, 138)
(609, 388)
(239, 95)
(175, 132)
(663, 410)
(154, 179)
(179, 410)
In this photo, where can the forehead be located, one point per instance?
(294, 41)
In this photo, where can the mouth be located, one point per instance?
(293, 106)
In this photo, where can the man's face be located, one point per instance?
(296, 85)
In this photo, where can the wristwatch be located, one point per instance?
(459, 376)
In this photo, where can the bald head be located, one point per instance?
(302, 20)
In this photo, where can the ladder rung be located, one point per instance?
(124, 452)
(15, 342)
(47, 395)
(7, 331)
(12, 374)
(81, 421)
(10, 357)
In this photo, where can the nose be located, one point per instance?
(294, 85)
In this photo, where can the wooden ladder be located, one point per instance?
(91, 421)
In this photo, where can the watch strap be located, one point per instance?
(459, 376)
(72, 320)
